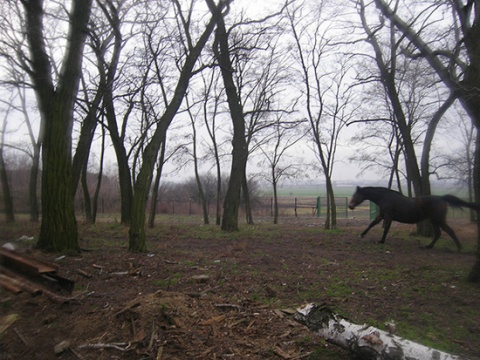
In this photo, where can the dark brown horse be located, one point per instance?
(394, 206)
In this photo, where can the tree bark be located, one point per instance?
(7, 195)
(424, 228)
(96, 194)
(58, 230)
(231, 202)
(247, 201)
(87, 204)
(364, 342)
(156, 185)
(33, 184)
(275, 196)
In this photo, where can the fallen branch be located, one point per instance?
(84, 273)
(364, 341)
(116, 346)
(21, 337)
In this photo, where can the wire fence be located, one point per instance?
(305, 206)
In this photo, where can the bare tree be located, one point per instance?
(285, 135)
(192, 51)
(56, 99)
(251, 69)
(408, 88)
(239, 153)
(107, 41)
(212, 91)
(15, 78)
(196, 160)
(325, 94)
(387, 67)
(457, 66)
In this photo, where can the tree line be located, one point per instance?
(214, 85)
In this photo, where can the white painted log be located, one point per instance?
(364, 341)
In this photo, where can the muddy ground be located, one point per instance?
(202, 294)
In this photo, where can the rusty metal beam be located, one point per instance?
(12, 259)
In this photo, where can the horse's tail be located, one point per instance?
(457, 202)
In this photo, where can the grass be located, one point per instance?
(168, 282)
(348, 282)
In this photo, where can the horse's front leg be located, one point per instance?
(386, 227)
(372, 224)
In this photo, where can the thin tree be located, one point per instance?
(214, 93)
(143, 181)
(196, 160)
(15, 77)
(325, 94)
(284, 137)
(107, 42)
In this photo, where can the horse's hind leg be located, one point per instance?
(386, 226)
(436, 235)
(452, 234)
(448, 230)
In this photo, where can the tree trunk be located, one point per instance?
(201, 195)
(425, 228)
(198, 181)
(33, 183)
(218, 200)
(364, 342)
(239, 153)
(96, 194)
(84, 144)
(7, 195)
(387, 72)
(87, 204)
(275, 199)
(58, 231)
(331, 205)
(247, 201)
(474, 275)
(156, 185)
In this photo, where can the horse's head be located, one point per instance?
(356, 199)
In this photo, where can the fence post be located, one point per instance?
(296, 207)
(318, 206)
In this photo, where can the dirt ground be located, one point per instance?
(202, 294)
